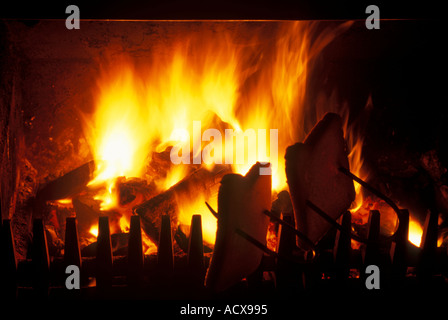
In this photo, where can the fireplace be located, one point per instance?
(116, 159)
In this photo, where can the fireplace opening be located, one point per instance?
(179, 159)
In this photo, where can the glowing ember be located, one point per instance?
(64, 201)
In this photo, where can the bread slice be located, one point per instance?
(312, 171)
(241, 202)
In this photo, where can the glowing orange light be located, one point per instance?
(209, 77)
(415, 232)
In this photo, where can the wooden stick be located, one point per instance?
(67, 185)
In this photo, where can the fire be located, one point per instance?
(356, 167)
(362, 205)
(116, 133)
(354, 136)
(196, 206)
(94, 230)
(173, 177)
(64, 202)
(226, 78)
(415, 232)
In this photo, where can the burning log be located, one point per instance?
(201, 181)
(67, 185)
(312, 170)
(133, 191)
(241, 202)
(85, 215)
(119, 244)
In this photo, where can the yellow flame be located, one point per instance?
(64, 201)
(174, 176)
(94, 230)
(117, 130)
(415, 232)
(196, 206)
(440, 240)
(212, 77)
(356, 167)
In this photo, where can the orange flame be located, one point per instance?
(415, 232)
(94, 230)
(362, 205)
(212, 77)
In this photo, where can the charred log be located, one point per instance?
(69, 184)
(202, 181)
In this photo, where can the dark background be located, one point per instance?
(231, 9)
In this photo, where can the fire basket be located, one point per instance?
(219, 159)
